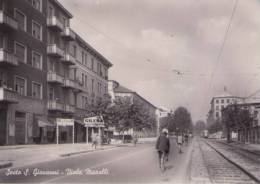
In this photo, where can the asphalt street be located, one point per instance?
(119, 165)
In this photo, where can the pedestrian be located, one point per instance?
(179, 141)
(186, 139)
(94, 140)
(135, 139)
(163, 146)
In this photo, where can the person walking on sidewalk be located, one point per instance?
(94, 140)
(163, 146)
(179, 141)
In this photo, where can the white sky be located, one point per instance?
(147, 39)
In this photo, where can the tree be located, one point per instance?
(236, 117)
(125, 115)
(182, 120)
(199, 127)
(215, 126)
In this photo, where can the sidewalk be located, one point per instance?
(22, 155)
(253, 148)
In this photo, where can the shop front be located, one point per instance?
(94, 127)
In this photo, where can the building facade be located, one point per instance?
(118, 91)
(219, 102)
(47, 71)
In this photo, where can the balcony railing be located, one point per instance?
(55, 106)
(69, 83)
(8, 58)
(8, 96)
(7, 21)
(54, 50)
(54, 23)
(69, 59)
(53, 77)
(69, 109)
(68, 34)
(79, 86)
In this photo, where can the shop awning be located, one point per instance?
(43, 122)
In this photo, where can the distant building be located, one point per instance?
(252, 134)
(219, 102)
(116, 90)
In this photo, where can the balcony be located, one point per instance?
(54, 23)
(68, 83)
(69, 109)
(54, 50)
(8, 95)
(68, 34)
(7, 23)
(55, 106)
(53, 77)
(69, 59)
(79, 86)
(7, 58)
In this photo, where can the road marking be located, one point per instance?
(98, 165)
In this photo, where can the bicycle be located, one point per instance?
(162, 160)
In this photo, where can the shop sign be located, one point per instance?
(65, 122)
(96, 121)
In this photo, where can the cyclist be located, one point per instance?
(163, 146)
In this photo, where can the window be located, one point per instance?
(36, 90)
(99, 69)
(20, 51)
(64, 22)
(36, 30)
(86, 59)
(228, 100)
(20, 86)
(217, 114)
(50, 11)
(92, 85)
(82, 78)
(36, 60)
(222, 101)
(3, 79)
(84, 102)
(86, 81)
(92, 64)
(3, 41)
(37, 4)
(21, 19)
(83, 57)
(217, 107)
(217, 101)
(75, 51)
(51, 93)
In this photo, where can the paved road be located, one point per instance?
(123, 164)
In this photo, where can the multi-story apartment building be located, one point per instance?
(78, 74)
(23, 69)
(219, 102)
(47, 71)
(116, 90)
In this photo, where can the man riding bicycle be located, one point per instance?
(163, 146)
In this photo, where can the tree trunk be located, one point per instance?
(228, 134)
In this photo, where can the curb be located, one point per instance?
(5, 165)
(86, 151)
(244, 149)
(255, 178)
